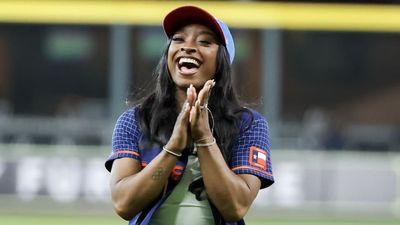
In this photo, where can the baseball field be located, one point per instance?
(43, 219)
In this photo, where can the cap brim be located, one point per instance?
(184, 15)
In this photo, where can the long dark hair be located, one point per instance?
(158, 114)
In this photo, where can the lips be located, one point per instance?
(188, 66)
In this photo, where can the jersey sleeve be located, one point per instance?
(125, 138)
(251, 152)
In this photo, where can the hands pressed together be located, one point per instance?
(134, 187)
(192, 122)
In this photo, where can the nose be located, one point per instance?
(188, 50)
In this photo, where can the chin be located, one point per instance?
(183, 83)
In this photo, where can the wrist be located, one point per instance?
(175, 145)
(202, 137)
(205, 142)
(172, 152)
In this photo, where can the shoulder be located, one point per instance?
(251, 117)
(129, 120)
(131, 112)
(130, 115)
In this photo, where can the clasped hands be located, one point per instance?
(192, 122)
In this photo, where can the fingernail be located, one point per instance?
(189, 88)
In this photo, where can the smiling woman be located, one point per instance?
(189, 152)
(193, 51)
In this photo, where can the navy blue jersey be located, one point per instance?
(250, 152)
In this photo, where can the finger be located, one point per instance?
(191, 95)
(195, 113)
(192, 113)
(184, 114)
(205, 92)
(210, 85)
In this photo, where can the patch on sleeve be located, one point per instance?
(258, 157)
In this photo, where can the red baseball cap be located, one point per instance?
(184, 15)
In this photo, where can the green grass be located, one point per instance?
(321, 222)
(31, 219)
(21, 219)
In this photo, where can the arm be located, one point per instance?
(134, 188)
(232, 194)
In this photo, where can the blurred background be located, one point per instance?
(326, 74)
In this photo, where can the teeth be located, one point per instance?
(188, 60)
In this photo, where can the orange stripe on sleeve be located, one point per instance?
(126, 151)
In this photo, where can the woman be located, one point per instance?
(189, 153)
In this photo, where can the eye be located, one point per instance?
(177, 39)
(206, 39)
(205, 42)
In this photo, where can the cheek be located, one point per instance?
(213, 56)
(169, 59)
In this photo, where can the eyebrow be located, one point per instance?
(209, 33)
(200, 33)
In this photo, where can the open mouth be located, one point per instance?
(188, 65)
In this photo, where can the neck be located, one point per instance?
(180, 96)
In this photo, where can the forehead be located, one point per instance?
(197, 28)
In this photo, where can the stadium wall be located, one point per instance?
(335, 183)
